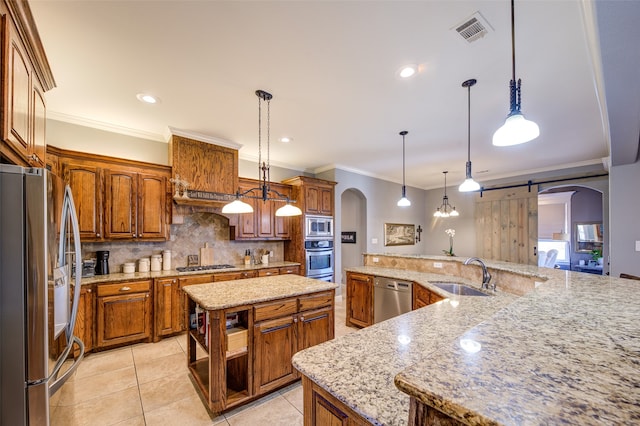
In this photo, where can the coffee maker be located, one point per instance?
(102, 262)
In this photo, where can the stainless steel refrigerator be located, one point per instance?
(39, 242)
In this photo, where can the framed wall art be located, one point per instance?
(399, 234)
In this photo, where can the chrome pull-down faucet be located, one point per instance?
(486, 276)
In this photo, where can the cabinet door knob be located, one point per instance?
(98, 234)
(88, 290)
(125, 288)
(301, 318)
(295, 320)
(133, 235)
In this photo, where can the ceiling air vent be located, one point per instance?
(473, 28)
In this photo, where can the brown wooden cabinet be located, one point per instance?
(168, 307)
(262, 224)
(26, 76)
(313, 196)
(267, 272)
(359, 299)
(116, 199)
(422, 296)
(182, 283)
(135, 206)
(284, 270)
(84, 327)
(124, 313)
(86, 181)
(285, 327)
(239, 275)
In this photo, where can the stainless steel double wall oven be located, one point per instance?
(318, 245)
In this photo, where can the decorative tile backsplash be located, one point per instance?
(187, 238)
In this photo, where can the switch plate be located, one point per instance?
(374, 241)
(637, 245)
(376, 260)
(437, 264)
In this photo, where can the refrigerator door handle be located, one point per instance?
(59, 381)
(69, 209)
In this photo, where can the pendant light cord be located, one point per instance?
(469, 123)
(513, 43)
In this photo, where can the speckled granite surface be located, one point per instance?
(567, 352)
(173, 273)
(227, 294)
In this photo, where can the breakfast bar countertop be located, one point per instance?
(228, 294)
(566, 352)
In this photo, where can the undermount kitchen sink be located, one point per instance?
(459, 289)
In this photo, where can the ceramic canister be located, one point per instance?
(166, 260)
(129, 268)
(156, 260)
(143, 264)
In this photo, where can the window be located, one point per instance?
(561, 246)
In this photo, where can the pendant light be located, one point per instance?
(516, 129)
(404, 201)
(469, 184)
(239, 206)
(446, 209)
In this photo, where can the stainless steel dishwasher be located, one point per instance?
(390, 298)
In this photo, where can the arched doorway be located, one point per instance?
(353, 218)
(581, 205)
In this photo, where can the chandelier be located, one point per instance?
(267, 194)
(446, 209)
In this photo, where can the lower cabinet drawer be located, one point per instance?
(123, 288)
(315, 301)
(275, 309)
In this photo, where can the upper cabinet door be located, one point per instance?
(152, 204)
(19, 92)
(39, 118)
(86, 186)
(120, 204)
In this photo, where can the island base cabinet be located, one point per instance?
(322, 409)
(275, 344)
(236, 371)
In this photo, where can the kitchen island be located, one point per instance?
(247, 334)
(566, 351)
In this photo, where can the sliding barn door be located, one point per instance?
(507, 225)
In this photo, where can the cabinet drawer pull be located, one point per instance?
(125, 288)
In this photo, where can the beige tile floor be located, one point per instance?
(148, 384)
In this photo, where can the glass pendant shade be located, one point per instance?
(516, 130)
(288, 210)
(469, 185)
(237, 206)
(404, 202)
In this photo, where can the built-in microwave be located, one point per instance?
(318, 227)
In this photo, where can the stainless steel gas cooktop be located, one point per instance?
(203, 267)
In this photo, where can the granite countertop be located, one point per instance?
(173, 273)
(566, 352)
(228, 294)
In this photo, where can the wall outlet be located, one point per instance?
(637, 245)
(437, 264)
(374, 241)
(376, 260)
(270, 253)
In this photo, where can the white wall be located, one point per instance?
(624, 222)
(85, 139)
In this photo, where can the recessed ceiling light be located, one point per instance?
(148, 99)
(408, 70)
(285, 139)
